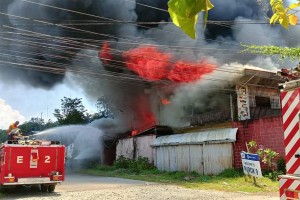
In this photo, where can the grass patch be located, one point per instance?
(229, 180)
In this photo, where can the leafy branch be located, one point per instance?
(184, 13)
(284, 15)
(283, 52)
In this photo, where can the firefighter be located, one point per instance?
(12, 127)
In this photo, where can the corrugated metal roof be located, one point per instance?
(216, 135)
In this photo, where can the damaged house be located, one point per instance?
(210, 141)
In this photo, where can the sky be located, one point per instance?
(21, 102)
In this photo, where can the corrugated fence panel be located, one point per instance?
(173, 160)
(159, 158)
(125, 148)
(196, 159)
(206, 152)
(166, 160)
(183, 152)
(217, 157)
(226, 134)
(209, 159)
(144, 149)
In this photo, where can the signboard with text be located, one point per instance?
(243, 102)
(251, 164)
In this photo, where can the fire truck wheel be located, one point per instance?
(51, 188)
(44, 188)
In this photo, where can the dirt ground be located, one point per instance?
(89, 187)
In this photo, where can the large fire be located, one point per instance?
(153, 65)
(146, 121)
(189, 72)
(104, 53)
(148, 62)
(143, 117)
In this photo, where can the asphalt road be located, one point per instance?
(106, 188)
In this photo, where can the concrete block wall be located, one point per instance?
(267, 132)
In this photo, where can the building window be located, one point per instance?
(262, 102)
(275, 102)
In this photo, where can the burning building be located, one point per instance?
(146, 67)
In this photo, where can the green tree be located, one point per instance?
(284, 52)
(103, 108)
(34, 124)
(72, 112)
(51, 124)
(2, 135)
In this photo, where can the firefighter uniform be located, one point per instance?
(11, 127)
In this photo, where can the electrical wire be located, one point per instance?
(51, 24)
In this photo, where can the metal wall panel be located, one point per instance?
(172, 158)
(207, 159)
(217, 157)
(224, 134)
(159, 159)
(144, 147)
(125, 148)
(166, 159)
(163, 159)
(183, 156)
(196, 159)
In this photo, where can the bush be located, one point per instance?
(142, 163)
(281, 167)
(121, 162)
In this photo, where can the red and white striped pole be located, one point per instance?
(290, 183)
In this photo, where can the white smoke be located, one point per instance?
(209, 93)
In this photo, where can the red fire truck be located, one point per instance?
(31, 162)
(290, 102)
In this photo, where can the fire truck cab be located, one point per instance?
(290, 102)
(32, 162)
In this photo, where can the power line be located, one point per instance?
(51, 23)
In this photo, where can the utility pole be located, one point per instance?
(41, 121)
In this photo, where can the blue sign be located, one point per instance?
(251, 164)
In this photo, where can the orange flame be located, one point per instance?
(165, 101)
(134, 132)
